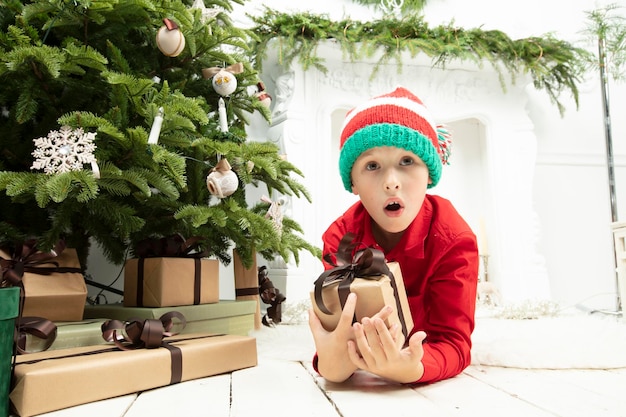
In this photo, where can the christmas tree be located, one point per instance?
(115, 113)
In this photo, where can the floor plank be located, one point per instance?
(567, 393)
(465, 395)
(112, 407)
(278, 389)
(198, 398)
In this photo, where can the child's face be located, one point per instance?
(391, 183)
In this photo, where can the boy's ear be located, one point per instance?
(354, 191)
(430, 180)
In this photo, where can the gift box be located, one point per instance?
(170, 281)
(247, 284)
(226, 316)
(58, 379)
(54, 289)
(376, 284)
(9, 309)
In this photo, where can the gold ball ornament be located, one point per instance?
(224, 83)
(169, 38)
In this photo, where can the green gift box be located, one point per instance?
(226, 316)
(9, 309)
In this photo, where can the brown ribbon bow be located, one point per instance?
(349, 263)
(233, 69)
(149, 334)
(139, 334)
(175, 246)
(35, 326)
(27, 258)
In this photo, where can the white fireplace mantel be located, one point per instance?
(493, 156)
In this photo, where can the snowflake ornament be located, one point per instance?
(64, 150)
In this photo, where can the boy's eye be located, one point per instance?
(407, 160)
(371, 166)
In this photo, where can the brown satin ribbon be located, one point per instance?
(148, 334)
(197, 283)
(368, 263)
(35, 326)
(246, 291)
(233, 69)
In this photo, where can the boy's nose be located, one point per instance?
(391, 182)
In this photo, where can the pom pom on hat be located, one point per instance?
(397, 119)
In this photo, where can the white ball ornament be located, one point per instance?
(222, 181)
(224, 83)
(170, 40)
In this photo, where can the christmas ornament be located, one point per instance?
(270, 295)
(221, 108)
(65, 150)
(263, 95)
(155, 131)
(222, 181)
(275, 213)
(170, 40)
(224, 81)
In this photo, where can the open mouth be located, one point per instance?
(394, 206)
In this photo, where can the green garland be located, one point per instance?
(555, 65)
(407, 5)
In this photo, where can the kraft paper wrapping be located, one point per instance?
(372, 295)
(54, 380)
(247, 285)
(170, 281)
(56, 296)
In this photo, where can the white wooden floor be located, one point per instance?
(283, 384)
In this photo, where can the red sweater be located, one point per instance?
(438, 257)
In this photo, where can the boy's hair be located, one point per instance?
(397, 119)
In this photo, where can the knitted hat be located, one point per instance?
(397, 119)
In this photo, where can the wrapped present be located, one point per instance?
(9, 309)
(170, 272)
(225, 316)
(376, 283)
(247, 284)
(58, 379)
(53, 284)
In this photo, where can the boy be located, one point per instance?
(391, 153)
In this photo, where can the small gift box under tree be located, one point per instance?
(53, 284)
(170, 271)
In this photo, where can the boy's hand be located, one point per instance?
(334, 364)
(378, 350)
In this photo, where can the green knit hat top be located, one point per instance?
(397, 119)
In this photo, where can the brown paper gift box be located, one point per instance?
(247, 285)
(170, 281)
(56, 296)
(54, 380)
(372, 295)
